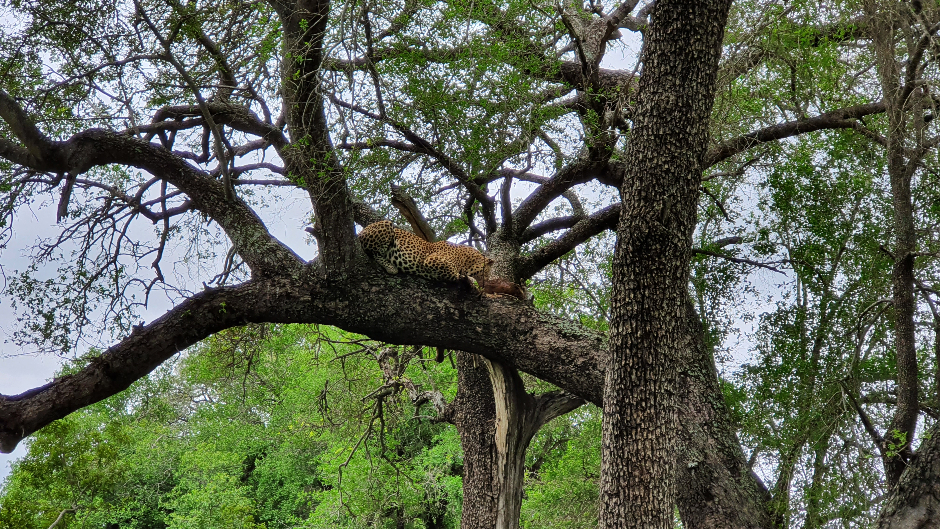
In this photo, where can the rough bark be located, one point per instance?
(884, 19)
(475, 418)
(915, 503)
(519, 416)
(651, 262)
(311, 159)
(396, 309)
(715, 487)
(497, 419)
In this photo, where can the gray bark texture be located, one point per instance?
(715, 487)
(496, 419)
(885, 21)
(519, 416)
(915, 502)
(474, 415)
(651, 262)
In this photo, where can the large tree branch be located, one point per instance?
(135, 356)
(548, 226)
(370, 303)
(37, 145)
(237, 117)
(575, 173)
(844, 118)
(605, 219)
(96, 147)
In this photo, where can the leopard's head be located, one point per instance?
(480, 270)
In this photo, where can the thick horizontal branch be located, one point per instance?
(166, 126)
(369, 303)
(569, 176)
(118, 367)
(237, 117)
(844, 118)
(270, 167)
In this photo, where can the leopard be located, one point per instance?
(399, 250)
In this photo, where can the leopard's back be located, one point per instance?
(401, 250)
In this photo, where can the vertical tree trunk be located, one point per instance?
(475, 419)
(715, 487)
(885, 18)
(915, 503)
(651, 262)
(311, 161)
(497, 419)
(515, 426)
(519, 416)
(814, 518)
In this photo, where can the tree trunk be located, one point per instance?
(519, 416)
(651, 262)
(715, 487)
(312, 160)
(915, 502)
(897, 450)
(497, 419)
(814, 518)
(475, 419)
(515, 427)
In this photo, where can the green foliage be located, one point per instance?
(577, 286)
(273, 427)
(562, 484)
(278, 426)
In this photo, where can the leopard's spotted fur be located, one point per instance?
(400, 250)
